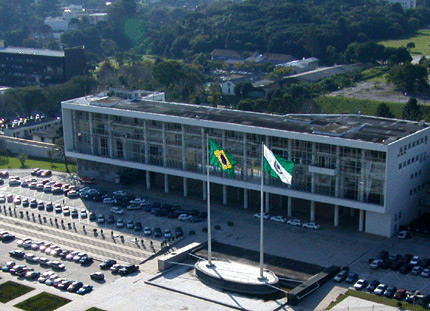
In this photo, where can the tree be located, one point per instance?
(243, 89)
(167, 71)
(408, 77)
(410, 45)
(22, 157)
(412, 111)
(384, 111)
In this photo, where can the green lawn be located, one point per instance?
(42, 302)
(339, 104)
(13, 162)
(11, 290)
(421, 40)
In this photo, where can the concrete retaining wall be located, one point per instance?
(29, 147)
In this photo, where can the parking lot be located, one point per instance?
(335, 246)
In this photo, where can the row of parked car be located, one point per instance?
(404, 264)
(380, 289)
(292, 222)
(49, 278)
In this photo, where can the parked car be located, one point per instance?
(361, 284)
(311, 225)
(341, 276)
(184, 217)
(109, 201)
(116, 210)
(133, 207)
(128, 269)
(400, 294)
(389, 292)
(372, 286)
(85, 289)
(120, 223)
(417, 270)
(120, 193)
(130, 224)
(266, 216)
(107, 264)
(405, 234)
(415, 260)
(295, 222)
(110, 219)
(279, 219)
(351, 278)
(167, 234)
(57, 265)
(405, 268)
(101, 219)
(97, 276)
(138, 226)
(375, 264)
(17, 253)
(147, 231)
(157, 232)
(179, 232)
(425, 273)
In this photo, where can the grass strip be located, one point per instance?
(42, 302)
(11, 290)
(8, 162)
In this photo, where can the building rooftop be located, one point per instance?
(29, 51)
(355, 127)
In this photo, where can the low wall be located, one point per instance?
(29, 147)
(180, 255)
(311, 285)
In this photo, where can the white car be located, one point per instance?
(120, 223)
(295, 222)
(147, 231)
(130, 224)
(137, 201)
(425, 273)
(2, 198)
(17, 200)
(109, 201)
(311, 225)
(84, 213)
(184, 217)
(265, 215)
(30, 257)
(167, 233)
(415, 260)
(120, 193)
(116, 210)
(360, 284)
(279, 219)
(132, 207)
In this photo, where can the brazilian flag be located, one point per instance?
(221, 158)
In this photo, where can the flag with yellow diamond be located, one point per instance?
(221, 158)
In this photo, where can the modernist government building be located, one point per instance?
(370, 173)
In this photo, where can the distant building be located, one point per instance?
(223, 55)
(270, 58)
(97, 17)
(27, 67)
(227, 87)
(406, 4)
(26, 127)
(301, 65)
(57, 23)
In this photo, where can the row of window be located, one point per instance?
(417, 189)
(416, 174)
(404, 148)
(421, 157)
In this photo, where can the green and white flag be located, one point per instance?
(278, 167)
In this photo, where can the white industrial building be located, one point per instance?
(367, 173)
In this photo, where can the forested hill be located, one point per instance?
(320, 28)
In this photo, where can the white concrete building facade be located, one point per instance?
(344, 163)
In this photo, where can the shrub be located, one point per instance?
(217, 227)
(192, 232)
(230, 224)
(205, 229)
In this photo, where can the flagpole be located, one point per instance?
(209, 204)
(261, 213)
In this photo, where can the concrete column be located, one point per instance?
(338, 170)
(362, 177)
(224, 194)
(245, 158)
(361, 221)
(336, 215)
(204, 147)
(314, 148)
(90, 118)
(205, 190)
(148, 180)
(184, 158)
(185, 187)
(163, 136)
(351, 212)
(145, 141)
(110, 136)
(312, 210)
(267, 204)
(289, 207)
(166, 183)
(245, 198)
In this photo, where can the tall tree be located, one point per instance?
(384, 111)
(412, 111)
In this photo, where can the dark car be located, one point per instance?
(7, 237)
(386, 264)
(92, 216)
(351, 278)
(49, 207)
(107, 264)
(110, 219)
(85, 260)
(425, 262)
(128, 269)
(138, 226)
(157, 232)
(383, 255)
(405, 268)
(341, 276)
(389, 292)
(178, 232)
(97, 276)
(371, 287)
(407, 258)
(17, 253)
(400, 293)
(74, 286)
(162, 212)
(396, 265)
